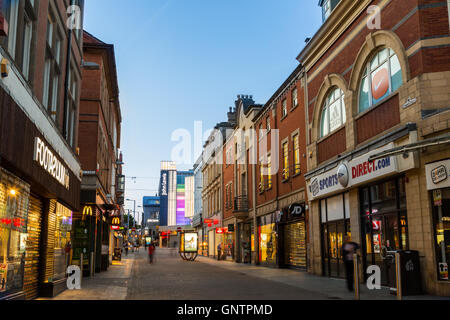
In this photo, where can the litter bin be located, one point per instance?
(411, 281)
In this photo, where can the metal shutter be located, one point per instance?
(32, 252)
(295, 244)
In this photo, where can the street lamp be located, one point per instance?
(134, 212)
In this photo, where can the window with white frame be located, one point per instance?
(326, 8)
(284, 108)
(52, 66)
(296, 154)
(333, 112)
(261, 132)
(71, 107)
(382, 76)
(21, 18)
(294, 98)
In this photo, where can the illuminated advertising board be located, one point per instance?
(181, 219)
(190, 242)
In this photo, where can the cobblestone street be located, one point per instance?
(205, 279)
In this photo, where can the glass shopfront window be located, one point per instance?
(246, 242)
(442, 229)
(14, 197)
(62, 241)
(335, 216)
(267, 241)
(384, 222)
(229, 245)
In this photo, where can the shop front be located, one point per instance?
(39, 192)
(57, 230)
(245, 242)
(292, 236)
(366, 202)
(438, 185)
(229, 243)
(14, 235)
(267, 237)
(335, 225)
(211, 239)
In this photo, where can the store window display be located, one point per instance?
(14, 197)
(441, 208)
(267, 244)
(62, 240)
(384, 223)
(335, 216)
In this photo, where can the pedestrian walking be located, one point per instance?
(126, 248)
(349, 248)
(219, 251)
(151, 252)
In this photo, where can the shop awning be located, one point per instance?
(406, 149)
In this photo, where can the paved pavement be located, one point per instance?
(205, 279)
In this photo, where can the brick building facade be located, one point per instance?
(40, 170)
(375, 98)
(99, 134)
(281, 194)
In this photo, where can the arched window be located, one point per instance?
(382, 76)
(333, 112)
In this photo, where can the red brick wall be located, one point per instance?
(378, 119)
(332, 146)
(424, 22)
(295, 120)
(228, 176)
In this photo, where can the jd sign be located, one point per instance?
(296, 209)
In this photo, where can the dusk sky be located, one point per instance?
(182, 61)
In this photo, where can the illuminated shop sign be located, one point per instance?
(164, 184)
(87, 211)
(50, 163)
(353, 173)
(437, 174)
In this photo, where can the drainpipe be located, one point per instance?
(255, 220)
(308, 142)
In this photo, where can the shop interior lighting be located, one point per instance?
(12, 192)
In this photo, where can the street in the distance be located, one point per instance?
(171, 278)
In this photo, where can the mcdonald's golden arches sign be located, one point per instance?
(87, 211)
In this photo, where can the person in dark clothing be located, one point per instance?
(219, 251)
(349, 248)
(126, 249)
(151, 252)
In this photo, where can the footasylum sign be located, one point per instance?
(50, 163)
(350, 174)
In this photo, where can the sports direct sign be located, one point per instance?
(352, 174)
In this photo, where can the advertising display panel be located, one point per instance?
(190, 242)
